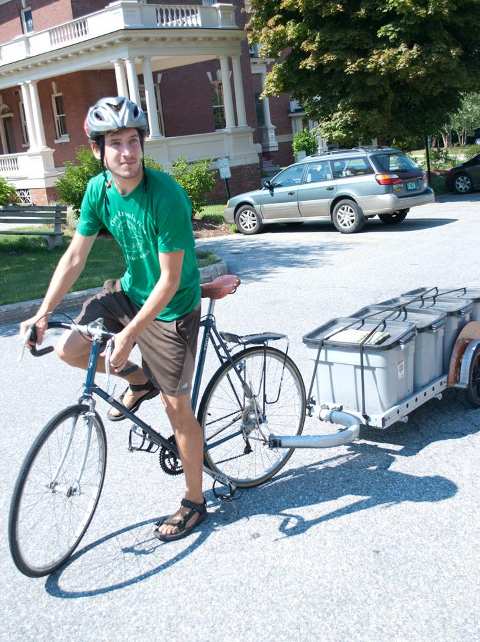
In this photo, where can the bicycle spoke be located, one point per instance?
(277, 405)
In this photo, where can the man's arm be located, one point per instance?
(66, 273)
(160, 296)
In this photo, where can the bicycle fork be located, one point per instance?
(74, 488)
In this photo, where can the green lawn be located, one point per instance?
(26, 266)
(212, 213)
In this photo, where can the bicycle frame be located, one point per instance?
(210, 335)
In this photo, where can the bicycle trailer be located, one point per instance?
(374, 367)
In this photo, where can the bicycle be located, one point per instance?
(256, 388)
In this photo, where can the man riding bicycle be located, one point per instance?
(156, 304)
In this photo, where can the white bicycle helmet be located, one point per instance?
(110, 114)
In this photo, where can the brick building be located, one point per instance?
(189, 64)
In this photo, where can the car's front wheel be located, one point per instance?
(394, 218)
(347, 217)
(247, 220)
(462, 184)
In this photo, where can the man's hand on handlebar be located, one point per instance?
(124, 343)
(40, 321)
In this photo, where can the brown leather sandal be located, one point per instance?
(151, 392)
(181, 522)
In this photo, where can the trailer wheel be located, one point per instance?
(473, 390)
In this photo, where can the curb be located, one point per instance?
(16, 312)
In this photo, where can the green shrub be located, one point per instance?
(197, 179)
(8, 194)
(305, 141)
(72, 185)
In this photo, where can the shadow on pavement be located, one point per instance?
(408, 225)
(458, 198)
(256, 258)
(428, 424)
(372, 225)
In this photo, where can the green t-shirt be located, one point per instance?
(154, 218)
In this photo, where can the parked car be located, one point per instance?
(465, 178)
(346, 186)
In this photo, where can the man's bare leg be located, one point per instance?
(189, 438)
(75, 349)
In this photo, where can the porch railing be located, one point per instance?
(8, 164)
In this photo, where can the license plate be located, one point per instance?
(411, 186)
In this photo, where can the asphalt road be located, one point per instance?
(374, 541)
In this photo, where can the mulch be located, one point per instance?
(205, 229)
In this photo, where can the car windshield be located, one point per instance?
(394, 163)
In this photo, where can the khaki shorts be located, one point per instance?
(168, 348)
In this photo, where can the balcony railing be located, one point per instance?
(116, 16)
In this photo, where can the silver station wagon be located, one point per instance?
(347, 186)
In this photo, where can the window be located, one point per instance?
(290, 176)
(259, 110)
(348, 167)
(254, 50)
(23, 123)
(394, 163)
(27, 20)
(319, 171)
(59, 116)
(217, 106)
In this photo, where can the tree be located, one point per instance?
(467, 118)
(305, 141)
(386, 69)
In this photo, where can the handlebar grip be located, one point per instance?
(34, 351)
(42, 351)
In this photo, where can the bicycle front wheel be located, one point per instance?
(57, 491)
(259, 394)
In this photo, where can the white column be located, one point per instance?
(239, 95)
(132, 81)
(37, 115)
(27, 105)
(227, 93)
(270, 139)
(150, 99)
(120, 77)
(266, 106)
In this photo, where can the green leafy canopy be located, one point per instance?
(390, 69)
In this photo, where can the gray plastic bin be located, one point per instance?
(472, 294)
(428, 363)
(458, 313)
(388, 365)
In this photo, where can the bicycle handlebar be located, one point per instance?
(91, 329)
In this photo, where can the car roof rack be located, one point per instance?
(366, 148)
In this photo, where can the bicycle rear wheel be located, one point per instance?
(237, 424)
(57, 491)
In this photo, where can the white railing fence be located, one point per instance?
(178, 16)
(69, 32)
(8, 164)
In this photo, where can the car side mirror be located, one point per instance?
(267, 184)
